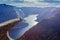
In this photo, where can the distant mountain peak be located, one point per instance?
(5, 5)
(2, 4)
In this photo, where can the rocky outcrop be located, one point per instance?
(4, 29)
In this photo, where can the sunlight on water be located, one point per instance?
(31, 21)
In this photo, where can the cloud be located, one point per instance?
(34, 4)
(31, 3)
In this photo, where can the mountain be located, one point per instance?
(34, 15)
(7, 12)
(8, 19)
(47, 29)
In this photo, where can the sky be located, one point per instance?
(30, 0)
(32, 3)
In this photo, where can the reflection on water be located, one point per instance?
(23, 27)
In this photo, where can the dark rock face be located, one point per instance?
(4, 29)
(47, 29)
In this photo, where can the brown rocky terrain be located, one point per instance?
(4, 29)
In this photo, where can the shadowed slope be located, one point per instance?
(47, 29)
